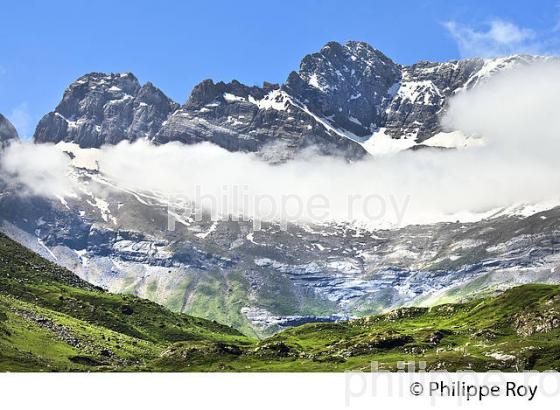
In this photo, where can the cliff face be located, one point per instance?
(100, 109)
(340, 97)
(7, 131)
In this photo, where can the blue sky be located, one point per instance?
(176, 44)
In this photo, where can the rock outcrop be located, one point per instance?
(7, 131)
(100, 109)
(341, 97)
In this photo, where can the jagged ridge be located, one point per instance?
(339, 98)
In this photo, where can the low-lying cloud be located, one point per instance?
(516, 112)
(36, 169)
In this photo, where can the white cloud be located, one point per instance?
(37, 169)
(500, 38)
(506, 33)
(516, 112)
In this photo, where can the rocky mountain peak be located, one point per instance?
(340, 102)
(266, 120)
(346, 83)
(203, 93)
(7, 131)
(151, 95)
(88, 94)
(101, 108)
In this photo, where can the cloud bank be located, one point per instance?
(36, 169)
(516, 112)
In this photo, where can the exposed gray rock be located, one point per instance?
(346, 84)
(273, 278)
(419, 100)
(7, 131)
(337, 100)
(266, 120)
(102, 109)
(358, 90)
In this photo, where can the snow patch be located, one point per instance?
(381, 143)
(87, 158)
(454, 139)
(233, 98)
(275, 100)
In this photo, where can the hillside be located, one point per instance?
(106, 216)
(262, 281)
(50, 320)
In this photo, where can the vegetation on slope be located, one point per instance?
(50, 320)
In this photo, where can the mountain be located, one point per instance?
(250, 119)
(264, 281)
(51, 320)
(100, 109)
(7, 131)
(342, 99)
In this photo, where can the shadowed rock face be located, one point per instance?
(339, 98)
(348, 84)
(265, 120)
(100, 109)
(7, 131)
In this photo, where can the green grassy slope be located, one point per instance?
(50, 320)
